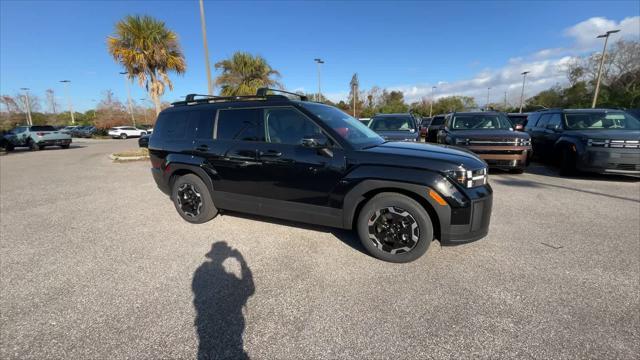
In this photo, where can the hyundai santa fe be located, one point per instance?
(276, 154)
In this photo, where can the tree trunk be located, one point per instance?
(156, 102)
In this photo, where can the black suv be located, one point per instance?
(277, 156)
(596, 140)
(436, 124)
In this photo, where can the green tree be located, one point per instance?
(244, 74)
(148, 51)
(393, 102)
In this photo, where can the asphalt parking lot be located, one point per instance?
(96, 263)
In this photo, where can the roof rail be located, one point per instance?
(264, 92)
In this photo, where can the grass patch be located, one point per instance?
(133, 153)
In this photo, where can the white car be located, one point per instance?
(124, 132)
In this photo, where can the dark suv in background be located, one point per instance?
(595, 140)
(436, 124)
(490, 135)
(276, 156)
(396, 127)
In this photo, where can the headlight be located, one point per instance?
(469, 178)
(462, 141)
(523, 142)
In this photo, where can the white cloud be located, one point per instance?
(547, 66)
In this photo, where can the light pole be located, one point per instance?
(66, 90)
(524, 78)
(604, 50)
(505, 101)
(433, 88)
(203, 24)
(319, 95)
(488, 92)
(26, 100)
(126, 80)
(145, 111)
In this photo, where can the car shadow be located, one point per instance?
(545, 169)
(348, 237)
(219, 298)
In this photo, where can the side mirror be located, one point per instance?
(316, 141)
(519, 127)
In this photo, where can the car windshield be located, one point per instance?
(392, 123)
(601, 121)
(350, 129)
(480, 122)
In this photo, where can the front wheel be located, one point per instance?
(395, 228)
(192, 199)
(33, 146)
(64, 146)
(567, 163)
(123, 136)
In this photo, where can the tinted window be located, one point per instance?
(240, 124)
(532, 120)
(554, 121)
(544, 119)
(43, 128)
(172, 125)
(437, 120)
(203, 121)
(392, 123)
(289, 126)
(601, 121)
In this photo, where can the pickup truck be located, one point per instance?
(35, 137)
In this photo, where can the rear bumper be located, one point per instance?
(610, 161)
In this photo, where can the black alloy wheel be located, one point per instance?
(393, 230)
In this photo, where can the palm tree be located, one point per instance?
(244, 73)
(148, 51)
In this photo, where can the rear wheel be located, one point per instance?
(123, 136)
(192, 199)
(395, 228)
(33, 146)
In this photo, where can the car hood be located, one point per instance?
(397, 135)
(605, 134)
(489, 134)
(422, 155)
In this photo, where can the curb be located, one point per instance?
(127, 158)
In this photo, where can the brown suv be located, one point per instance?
(490, 135)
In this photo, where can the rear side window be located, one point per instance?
(240, 124)
(172, 126)
(203, 121)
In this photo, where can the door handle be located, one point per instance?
(270, 153)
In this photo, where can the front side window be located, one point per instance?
(289, 126)
(392, 123)
(240, 124)
(554, 122)
(480, 122)
(353, 131)
(601, 121)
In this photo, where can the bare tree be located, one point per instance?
(52, 104)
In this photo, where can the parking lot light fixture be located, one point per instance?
(319, 95)
(488, 92)
(66, 90)
(604, 51)
(28, 104)
(524, 78)
(433, 88)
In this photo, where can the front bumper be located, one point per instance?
(503, 157)
(610, 161)
(469, 223)
(55, 142)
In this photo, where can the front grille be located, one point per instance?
(627, 144)
(496, 142)
(503, 162)
(499, 152)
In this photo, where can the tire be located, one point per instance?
(64, 146)
(33, 146)
(187, 185)
(567, 163)
(516, 171)
(373, 217)
(9, 147)
(123, 136)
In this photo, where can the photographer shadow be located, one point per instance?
(219, 297)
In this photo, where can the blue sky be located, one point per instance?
(462, 47)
